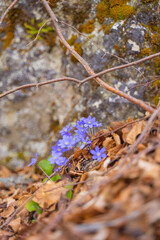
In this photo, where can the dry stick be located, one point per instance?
(48, 20)
(87, 67)
(39, 84)
(7, 10)
(143, 84)
(80, 82)
(119, 128)
(61, 215)
(139, 140)
(104, 182)
(122, 66)
(92, 227)
(30, 198)
(116, 222)
(105, 52)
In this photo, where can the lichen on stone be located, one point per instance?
(78, 49)
(88, 27)
(118, 10)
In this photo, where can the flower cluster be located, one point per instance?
(72, 136)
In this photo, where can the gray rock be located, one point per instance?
(29, 120)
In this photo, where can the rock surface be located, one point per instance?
(30, 119)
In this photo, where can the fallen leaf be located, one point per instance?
(50, 193)
(131, 132)
(7, 212)
(157, 155)
(108, 143)
(116, 138)
(15, 224)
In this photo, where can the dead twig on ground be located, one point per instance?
(7, 11)
(87, 67)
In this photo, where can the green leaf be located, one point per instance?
(32, 32)
(69, 186)
(32, 21)
(33, 206)
(69, 194)
(54, 178)
(40, 24)
(46, 166)
(29, 27)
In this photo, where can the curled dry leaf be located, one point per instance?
(131, 132)
(50, 193)
(7, 212)
(157, 155)
(15, 224)
(113, 151)
(77, 153)
(115, 125)
(100, 139)
(116, 138)
(108, 143)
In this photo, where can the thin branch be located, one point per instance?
(48, 20)
(143, 84)
(7, 10)
(80, 82)
(123, 66)
(39, 84)
(141, 103)
(105, 52)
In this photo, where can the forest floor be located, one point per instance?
(116, 198)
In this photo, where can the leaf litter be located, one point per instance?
(111, 199)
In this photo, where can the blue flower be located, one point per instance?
(98, 154)
(33, 160)
(56, 157)
(85, 141)
(98, 124)
(91, 122)
(80, 133)
(65, 130)
(80, 124)
(62, 161)
(67, 142)
(57, 148)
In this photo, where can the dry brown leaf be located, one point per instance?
(5, 234)
(15, 224)
(129, 120)
(50, 193)
(4, 172)
(113, 151)
(116, 138)
(108, 143)
(7, 212)
(131, 132)
(77, 153)
(100, 139)
(157, 155)
(115, 125)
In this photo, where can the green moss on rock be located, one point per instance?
(78, 49)
(118, 10)
(87, 27)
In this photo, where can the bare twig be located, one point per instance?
(143, 84)
(48, 20)
(123, 66)
(104, 51)
(95, 226)
(88, 68)
(80, 82)
(7, 10)
(39, 84)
